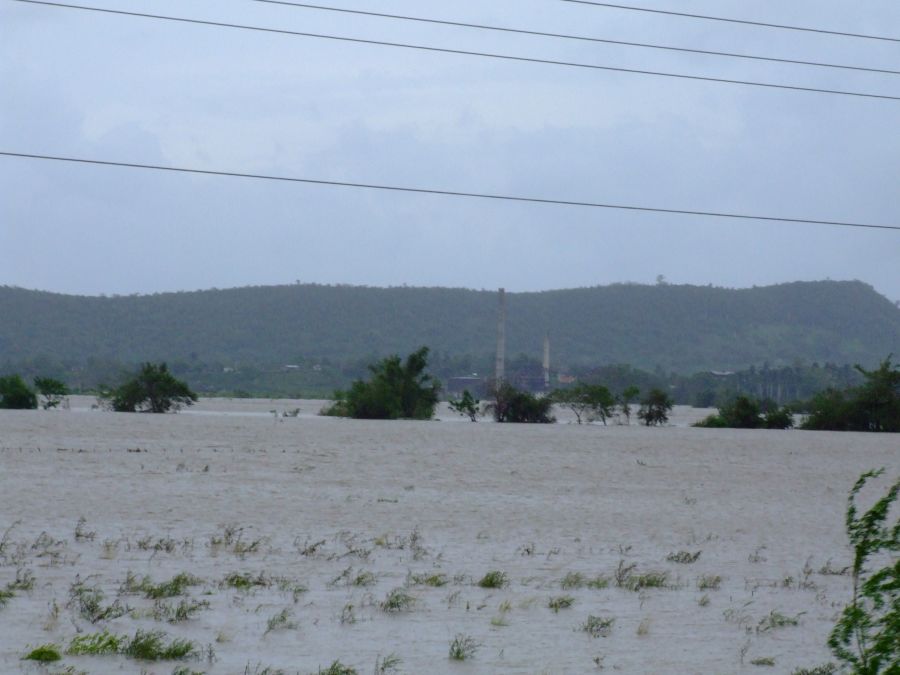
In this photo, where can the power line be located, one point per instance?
(444, 50)
(448, 193)
(582, 38)
(730, 20)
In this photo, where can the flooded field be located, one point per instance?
(290, 543)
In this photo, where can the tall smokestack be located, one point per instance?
(500, 366)
(547, 362)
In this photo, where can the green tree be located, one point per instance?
(15, 394)
(514, 405)
(867, 635)
(746, 412)
(467, 405)
(873, 406)
(655, 408)
(53, 392)
(588, 402)
(630, 393)
(396, 390)
(153, 389)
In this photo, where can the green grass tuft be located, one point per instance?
(560, 602)
(96, 644)
(494, 579)
(48, 653)
(463, 647)
(597, 626)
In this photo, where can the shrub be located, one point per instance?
(153, 389)
(514, 405)
(655, 408)
(494, 579)
(397, 390)
(867, 635)
(44, 654)
(15, 394)
(874, 406)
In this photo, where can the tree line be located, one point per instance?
(404, 389)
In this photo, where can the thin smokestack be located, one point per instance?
(500, 366)
(547, 362)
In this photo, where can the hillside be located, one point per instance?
(678, 328)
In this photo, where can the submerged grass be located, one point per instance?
(463, 647)
(48, 653)
(494, 579)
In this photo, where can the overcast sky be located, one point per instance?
(96, 86)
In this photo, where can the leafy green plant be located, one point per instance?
(867, 635)
(398, 600)
(281, 621)
(172, 588)
(151, 646)
(434, 580)
(463, 647)
(597, 626)
(494, 579)
(96, 644)
(560, 602)
(48, 653)
(338, 668)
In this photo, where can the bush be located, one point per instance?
(154, 389)
(514, 405)
(744, 412)
(397, 390)
(874, 406)
(655, 408)
(867, 635)
(15, 394)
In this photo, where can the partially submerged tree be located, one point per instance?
(655, 408)
(624, 400)
(745, 412)
(867, 635)
(53, 392)
(510, 404)
(397, 390)
(873, 406)
(153, 389)
(466, 405)
(588, 402)
(15, 394)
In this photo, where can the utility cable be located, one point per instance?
(505, 57)
(582, 38)
(449, 193)
(730, 20)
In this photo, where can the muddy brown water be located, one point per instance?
(316, 502)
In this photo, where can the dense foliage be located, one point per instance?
(15, 394)
(655, 408)
(745, 412)
(873, 406)
(509, 404)
(678, 328)
(396, 390)
(867, 635)
(153, 389)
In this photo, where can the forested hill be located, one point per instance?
(680, 328)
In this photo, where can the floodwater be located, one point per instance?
(309, 505)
